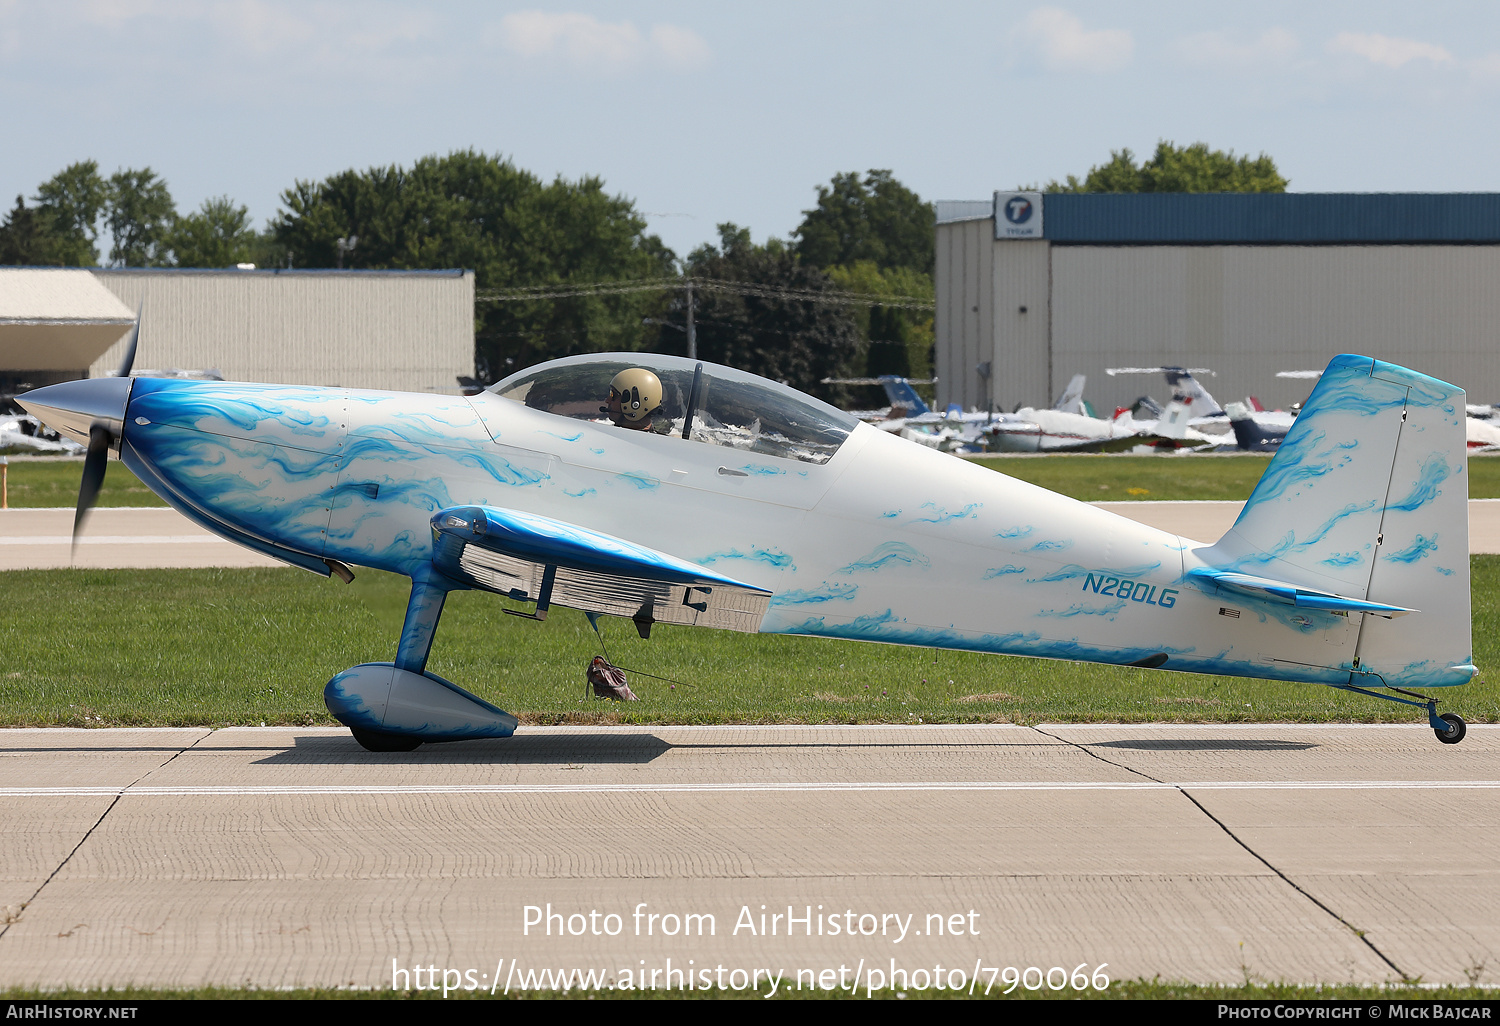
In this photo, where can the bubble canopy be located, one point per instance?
(701, 402)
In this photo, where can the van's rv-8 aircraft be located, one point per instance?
(748, 506)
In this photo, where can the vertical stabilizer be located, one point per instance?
(1367, 497)
(1071, 400)
(1199, 401)
(900, 393)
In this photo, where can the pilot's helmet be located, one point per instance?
(638, 392)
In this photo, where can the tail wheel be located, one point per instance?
(1456, 729)
(373, 742)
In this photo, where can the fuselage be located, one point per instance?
(887, 541)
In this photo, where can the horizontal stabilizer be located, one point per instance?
(1290, 594)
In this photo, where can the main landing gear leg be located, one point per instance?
(394, 707)
(423, 610)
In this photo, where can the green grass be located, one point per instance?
(1114, 478)
(222, 647)
(1093, 478)
(54, 482)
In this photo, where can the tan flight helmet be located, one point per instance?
(637, 393)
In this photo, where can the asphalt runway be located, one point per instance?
(138, 538)
(291, 857)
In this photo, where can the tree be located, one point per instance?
(794, 340)
(899, 341)
(877, 219)
(217, 235)
(72, 200)
(472, 210)
(140, 214)
(27, 238)
(876, 237)
(1174, 168)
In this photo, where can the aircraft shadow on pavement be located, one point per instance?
(557, 749)
(1212, 745)
(569, 749)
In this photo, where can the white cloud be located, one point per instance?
(270, 27)
(1065, 45)
(1389, 51)
(1219, 50)
(586, 42)
(262, 27)
(680, 46)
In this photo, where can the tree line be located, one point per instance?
(78, 209)
(866, 235)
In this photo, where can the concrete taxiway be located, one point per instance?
(139, 538)
(290, 856)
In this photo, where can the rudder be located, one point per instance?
(1367, 497)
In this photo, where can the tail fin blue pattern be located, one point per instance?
(1367, 497)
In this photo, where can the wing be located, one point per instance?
(537, 559)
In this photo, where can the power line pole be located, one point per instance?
(692, 333)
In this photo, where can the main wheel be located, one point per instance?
(1456, 729)
(373, 742)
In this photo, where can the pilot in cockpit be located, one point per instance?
(635, 400)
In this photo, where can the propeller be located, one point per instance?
(101, 440)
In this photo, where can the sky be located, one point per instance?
(706, 113)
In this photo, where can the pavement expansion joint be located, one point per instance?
(12, 919)
(1240, 841)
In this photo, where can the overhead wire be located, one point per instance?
(833, 297)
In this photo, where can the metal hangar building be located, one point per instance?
(1033, 288)
(400, 330)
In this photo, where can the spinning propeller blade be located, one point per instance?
(135, 336)
(101, 439)
(93, 476)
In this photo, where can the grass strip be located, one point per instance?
(1092, 478)
(221, 647)
(33, 483)
(1121, 478)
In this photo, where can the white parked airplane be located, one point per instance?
(1254, 429)
(23, 432)
(747, 506)
(1066, 427)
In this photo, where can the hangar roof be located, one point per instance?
(56, 319)
(1289, 218)
(53, 294)
(1285, 218)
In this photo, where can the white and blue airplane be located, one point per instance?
(756, 508)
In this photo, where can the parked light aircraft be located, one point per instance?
(1066, 427)
(758, 508)
(26, 434)
(1255, 429)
